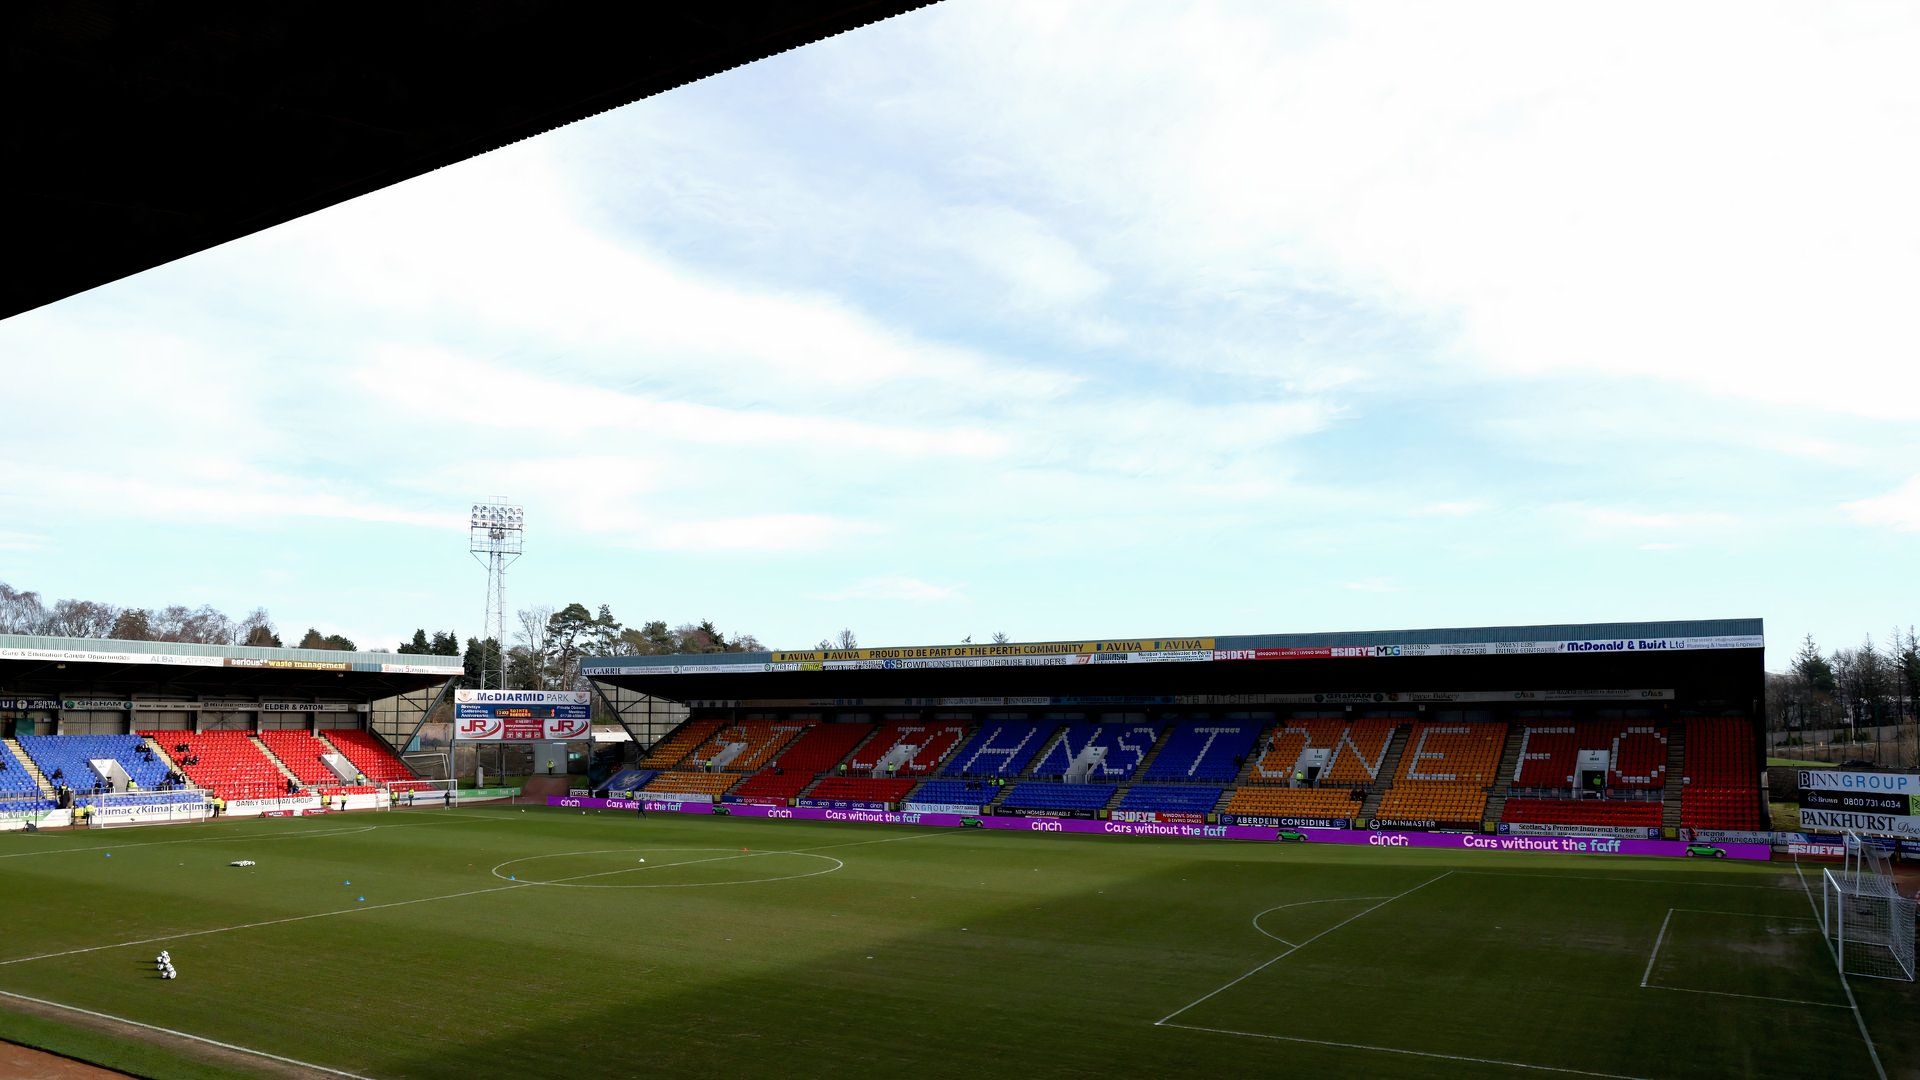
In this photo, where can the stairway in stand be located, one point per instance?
(260, 745)
(33, 770)
(1503, 776)
(1253, 756)
(1676, 774)
(165, 755)
(1045, 749)
(1389, 764)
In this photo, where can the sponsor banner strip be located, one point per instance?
(1566, 845)
(1518, 828)
(1859, 802)
(1898, 825)
(1865, 783)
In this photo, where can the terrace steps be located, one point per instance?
(1245, 775)
(165, 755)
(261, 745)
(1045, 749)
(1676, 775)
(32, 767)
(1503, 773)
(1153, 752)
(1389, 767)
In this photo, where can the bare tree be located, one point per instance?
(20, 612)
(533, 636)
(1000, 637)
(133, 624)
(845, 639)
(81, 619)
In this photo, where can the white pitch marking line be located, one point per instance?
(1304, 903)
(1626, 880)
(244, 838)
(1745, 914)
(1300, 946)
(357, 907)
(184, 1035)
(1655, 954)
(1398, 1050)
(1749, 997)
(1879, 1069)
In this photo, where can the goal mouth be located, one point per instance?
(1868, 924)
(124, 808)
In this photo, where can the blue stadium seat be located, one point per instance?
(1127, 745)
(1171, 798)
(955, 792)
(1044, 795)
(1210, 751)
(14, 780)
(999, 749)
(72, 756)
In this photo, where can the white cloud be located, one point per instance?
(21, 541)
(1897, 509)
(895, 587)
(1456, 508)
(1373, 585)
(1629, 519)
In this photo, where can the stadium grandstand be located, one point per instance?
(257, 729)
(1633, 729)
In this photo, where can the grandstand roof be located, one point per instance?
(140, 133)
(60, 667)
(1699, 658)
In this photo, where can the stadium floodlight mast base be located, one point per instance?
(496, 537)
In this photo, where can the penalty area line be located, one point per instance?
(234, 1047)
(1399, 1050)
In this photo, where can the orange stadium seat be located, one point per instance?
(1445, 772)
(680, 742)
(692, 783)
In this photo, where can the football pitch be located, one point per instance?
(492, 941)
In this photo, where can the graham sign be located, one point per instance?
(521, 715)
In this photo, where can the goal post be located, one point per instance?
(122, 808)
(1867, 923)
(402, 794)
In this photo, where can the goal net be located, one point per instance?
(1868, 924)
(402, 794)
(122, 808)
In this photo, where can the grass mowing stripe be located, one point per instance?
(1872, 1052)
(184, 1035)
(1398, 1050)
(1300, 946)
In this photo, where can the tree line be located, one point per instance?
(1873, 683)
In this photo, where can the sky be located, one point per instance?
(1065, 320)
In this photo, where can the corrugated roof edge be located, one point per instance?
(1433, 636)
(374, 660)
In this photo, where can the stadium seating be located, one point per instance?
(1633, 813)
(1315, 802)
(1171, 798)
(1357, 746)
(955, 792)
(874, 789)
(227, 763)
(935, 740)
(72, 755)
(18, 792)
(1210, 751)
(376, 761)
(1126, 746)
(821, 748)
(1046, 795)
(691, 783)
(999, 748)
(757, 741)
(1445, 772)
(300, 752)
(1549, 754)
(680, 742)
(1722, 776)
(816, 751)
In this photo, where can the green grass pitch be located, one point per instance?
(496, 942)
